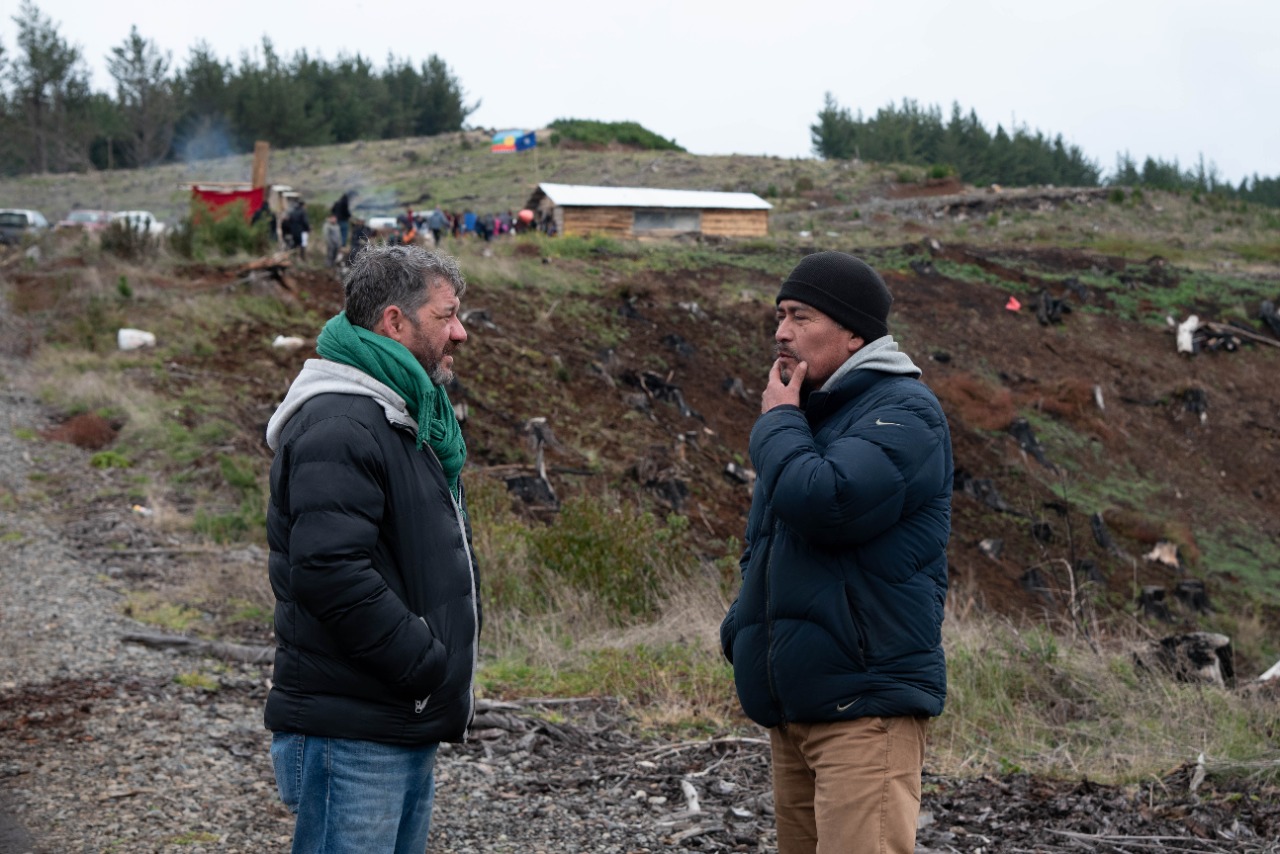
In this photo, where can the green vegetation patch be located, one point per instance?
(693, 688)
(147, 608)
(595, 133)
(1244, 557)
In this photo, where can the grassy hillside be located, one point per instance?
(866, 204)
(647, 359)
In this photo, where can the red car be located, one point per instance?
(85, 219)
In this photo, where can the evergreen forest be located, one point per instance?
(204, 106)
(963, 146)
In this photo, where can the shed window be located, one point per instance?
(667, 220)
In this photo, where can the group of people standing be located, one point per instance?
(346, 235)
(835, 637)
(465, 223)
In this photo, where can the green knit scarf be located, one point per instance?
(390, 362)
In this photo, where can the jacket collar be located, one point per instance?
(859, 371)
(320, 376)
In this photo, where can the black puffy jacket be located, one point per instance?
(377, 617)
(844, 574)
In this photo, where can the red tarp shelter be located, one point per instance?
(216, 199)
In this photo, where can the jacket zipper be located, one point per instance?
(768, 618)
(475, 617)
(475, 603)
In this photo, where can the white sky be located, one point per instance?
(1165, 78)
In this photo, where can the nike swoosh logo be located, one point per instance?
(841, 707)
(880, 423)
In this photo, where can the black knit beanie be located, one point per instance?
(845, 289)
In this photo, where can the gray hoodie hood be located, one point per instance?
(320, 376)
(881, 354)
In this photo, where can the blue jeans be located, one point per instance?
(355, 797)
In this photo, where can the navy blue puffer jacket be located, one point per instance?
(844, 574)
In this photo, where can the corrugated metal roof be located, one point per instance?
(581, 195)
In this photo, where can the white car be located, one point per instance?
(142, 221)
(382, 223)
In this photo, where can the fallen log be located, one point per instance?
(1226, 329)
(212, 649)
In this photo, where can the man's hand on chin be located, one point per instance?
(781, 391)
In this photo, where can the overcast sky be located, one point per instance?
(1163, 78)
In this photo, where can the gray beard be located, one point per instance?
(439, 374)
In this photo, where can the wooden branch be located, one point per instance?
(671, 749)
(1228, 329)
(1154, 843)
(213, 649)
(155, 550)
(563, 701)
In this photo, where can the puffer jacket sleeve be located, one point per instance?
(879, 468)
(336, 498)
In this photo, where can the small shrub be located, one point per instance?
(226, 230)
(110, 460)
(619, 554)
(127, 240)
(182, 239)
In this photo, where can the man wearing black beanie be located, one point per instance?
(836, 634)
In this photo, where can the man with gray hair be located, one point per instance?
(377, 615)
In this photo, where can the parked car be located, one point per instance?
(144, 221)
(85, 220)
(382, 224)
(19, 223)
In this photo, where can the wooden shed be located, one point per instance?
(641, 212)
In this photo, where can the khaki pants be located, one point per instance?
(848, 786)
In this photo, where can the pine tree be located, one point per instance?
(145, 96)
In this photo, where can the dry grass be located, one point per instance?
(1060, 705)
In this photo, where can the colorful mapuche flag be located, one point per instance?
(514, 140)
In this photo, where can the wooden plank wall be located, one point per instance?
(728, 223)
(616, 222)
(612, 222)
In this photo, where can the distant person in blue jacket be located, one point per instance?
(836, 635)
